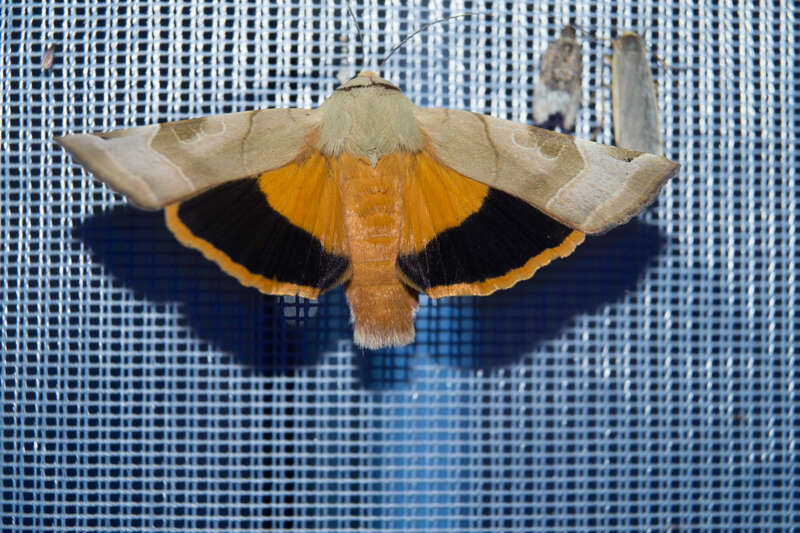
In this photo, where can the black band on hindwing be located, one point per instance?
(236, 218)
(503, 235)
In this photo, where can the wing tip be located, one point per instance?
(83, 149)
(666, 169)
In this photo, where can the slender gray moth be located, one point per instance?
(633, 97)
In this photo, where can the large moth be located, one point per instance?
(633, 97)
(557, 96)
(370, 191)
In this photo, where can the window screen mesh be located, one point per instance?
(646, 383)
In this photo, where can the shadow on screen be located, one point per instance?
(494, 331)
(138, 250)
(600, 271)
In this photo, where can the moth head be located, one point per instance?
(366, 78)
(568, 33)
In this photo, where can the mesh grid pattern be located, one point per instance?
(646, 383)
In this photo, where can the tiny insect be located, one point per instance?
(557, 96)
(372, 192)
(48, 58)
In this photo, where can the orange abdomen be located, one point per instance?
(372, 199)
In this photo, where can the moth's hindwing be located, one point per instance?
(280, 232)
(461, 237)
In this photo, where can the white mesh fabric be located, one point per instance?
(646, 383)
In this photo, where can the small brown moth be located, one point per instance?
(370, 191)
(633, 97)
(557, 96)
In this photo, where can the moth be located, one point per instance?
(633, 97)
(557, 95)
(374, 193)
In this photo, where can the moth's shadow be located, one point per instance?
(496, 330)
(142, 255)
(600, 271)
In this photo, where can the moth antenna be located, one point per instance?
(597, 38)
(360, 36)
(588, 33)
(420, 30)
